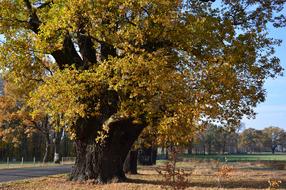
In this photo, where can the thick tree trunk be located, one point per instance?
(130, 164)
(103, 161)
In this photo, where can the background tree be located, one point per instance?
(211, 137)
(273, 136)
(251, 140)
(283, 145)
(15, 121)
(124, 66)
(216, 139)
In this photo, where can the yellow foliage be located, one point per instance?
(172, 65)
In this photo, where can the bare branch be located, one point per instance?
(34, 21)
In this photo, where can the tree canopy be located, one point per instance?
(166, 65)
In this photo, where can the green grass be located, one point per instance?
(239, 157)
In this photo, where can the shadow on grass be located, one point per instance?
(214, 184)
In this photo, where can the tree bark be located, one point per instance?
(103, 162)
(57, 141)
(130, 164)
(47, 147)
(45, 158)
(46, 132)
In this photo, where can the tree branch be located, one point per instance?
(87, 49)
(34, 21)
(67, 55)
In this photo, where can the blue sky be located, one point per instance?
(273, 110)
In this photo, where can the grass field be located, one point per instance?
(223, 158)
(203, 176)
(238, 157)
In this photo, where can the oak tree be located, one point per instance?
(16, 122)
(273, 137)
(251, 140)
(109, 69)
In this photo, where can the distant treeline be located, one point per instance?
(214, 140)
(33, 147)
(217, 140)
